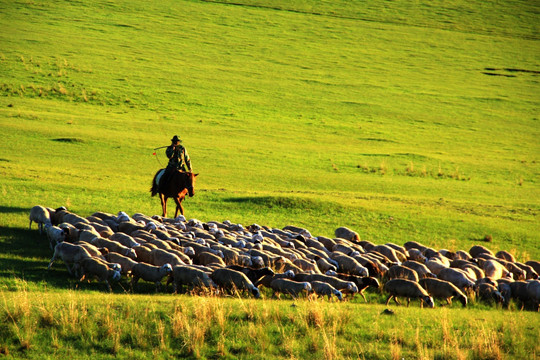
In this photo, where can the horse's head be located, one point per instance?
(190, 186)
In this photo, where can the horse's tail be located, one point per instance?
(154, 190)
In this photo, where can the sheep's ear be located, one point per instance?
(196, 174)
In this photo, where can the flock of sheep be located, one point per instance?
(224, 257)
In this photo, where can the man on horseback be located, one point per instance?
(178, 160)
(178, 156)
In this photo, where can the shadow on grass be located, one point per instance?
(282, 202)
(13, 210)
(25, 255)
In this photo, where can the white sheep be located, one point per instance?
(87, 235)
(92, 250)
(341, 285)
(267, 279)
(324, 265)
(289, 287)
(349, 265)
(122, 217)
(488, 292)
(143, 253)
(462, 255)
(124, 239)
(402, 272)
(456, 277)
(324, 289)
(307, 265)
(393, 255)
(70, 254)
(479, 249)
(125, 262)
(40, 216)
(93, 267)
(207, 258)
(231, 280)
(435, 266)
(362, 282)
(55, 235)
(149, 273)
(114, 246)
(74, 219)
(495, 270)
(72, 233)
(421, 269)
(160, 257)
(347, 234)
(408, 289)
(416, 255)
(533, 289)
(191, 277)
(443, 290)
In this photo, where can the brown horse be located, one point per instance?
(179, 184)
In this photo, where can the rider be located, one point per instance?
(178, 159)
(178, 156)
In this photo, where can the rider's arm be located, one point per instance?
(169, 151)
(187, 160)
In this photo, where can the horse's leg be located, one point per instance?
(163, 204)
(178, 207)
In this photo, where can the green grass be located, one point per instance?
(89, 325)
(402, 120)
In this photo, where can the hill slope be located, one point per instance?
(403, 122)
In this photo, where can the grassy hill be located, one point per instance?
(401, 120)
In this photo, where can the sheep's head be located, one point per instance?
(497, 296)
(338, 294)
(240, 244)
(122, 216)
(371, 281)
(429, 301)
(463, 300)
(167, 268)
(150, 226)
(289, 274)
(257, 237)
(189, 251)
(331, 273)
(257, 261)
(246, 261)
(352, 287)
(130, 253)
(180, 226)
(255, 291)
(519, 274)
(116, 275)
(307, 287)
(362, 271)
(116, 267)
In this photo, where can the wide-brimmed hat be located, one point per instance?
(176, 139)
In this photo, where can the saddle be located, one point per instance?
(159, 176)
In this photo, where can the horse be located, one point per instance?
(178, 185)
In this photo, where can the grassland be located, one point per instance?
(401, 120)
